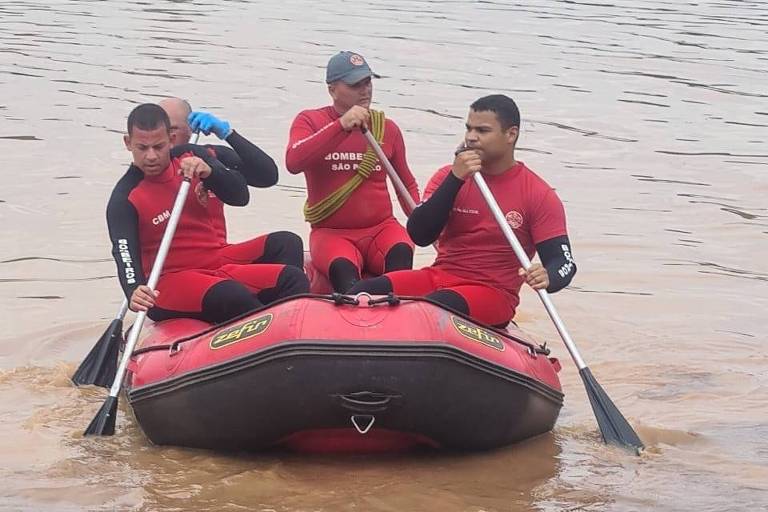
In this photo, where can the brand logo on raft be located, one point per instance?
(475, 333)
(241, 332)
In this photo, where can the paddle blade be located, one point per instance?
(100, 365)
(103, 424)
(613, 426)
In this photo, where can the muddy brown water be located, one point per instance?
(649, 117)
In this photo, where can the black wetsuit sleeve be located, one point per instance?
(123, 225)
(429, 218)
(258, 168)
(228, 185)
(555, 255)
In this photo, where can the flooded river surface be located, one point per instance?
(649, 117)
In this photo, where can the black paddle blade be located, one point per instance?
(613, 426)
(103, 424)
(100, 365)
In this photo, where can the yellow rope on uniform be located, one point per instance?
(323, 209)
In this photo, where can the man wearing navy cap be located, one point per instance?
(353, 230)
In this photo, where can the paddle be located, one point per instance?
(100, 365)
(614, 427)
(104, 421)
(399, 186)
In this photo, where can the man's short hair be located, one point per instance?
(503, 106)
(148, 116)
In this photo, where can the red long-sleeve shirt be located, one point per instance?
(328, 156)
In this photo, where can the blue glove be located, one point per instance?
(207, 123)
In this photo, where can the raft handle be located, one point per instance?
(366, 401)
(369, 418)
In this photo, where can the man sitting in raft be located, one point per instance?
(258, 169)
(348, 204)
(197, 280)
(476, 272)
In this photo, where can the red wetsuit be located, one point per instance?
(474, 258)
(198, 258)
(260, 171)
(363, 229)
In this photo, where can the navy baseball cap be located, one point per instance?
(349, 67)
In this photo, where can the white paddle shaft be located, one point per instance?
(154, 276)
(526, 263)
(399, 185)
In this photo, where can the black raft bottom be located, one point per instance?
(437, 395)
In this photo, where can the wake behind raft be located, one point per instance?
(342, 374)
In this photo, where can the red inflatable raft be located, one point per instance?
(342, 374)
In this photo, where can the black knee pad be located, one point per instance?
(226, 300)
(283, 247)
(451, 299)
(343, 274)
(399, 257)
(375, 286)
(291, 281)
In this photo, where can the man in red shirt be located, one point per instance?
(259, 171)
(476, 272)
(348, 204)
(197, 279)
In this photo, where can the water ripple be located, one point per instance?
(58, 260)
(717, 269)
(54, 280)
(711, 153)
(586, 133)
(20, 137)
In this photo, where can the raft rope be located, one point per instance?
(326, 207)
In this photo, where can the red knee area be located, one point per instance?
(325, 245)
(486, 303)
(244, 252)
(489, 305)
(318, 282)
(256, 277)
(390, 234)
(184, 291)
(366, 248)
(415, 282)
